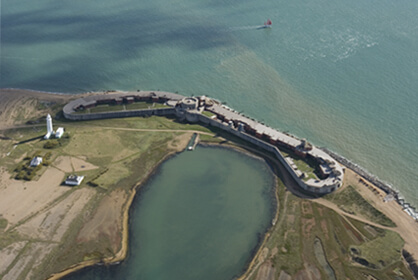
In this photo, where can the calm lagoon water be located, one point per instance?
(343, 74)
(200, 216)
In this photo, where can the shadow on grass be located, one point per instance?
(30, 140)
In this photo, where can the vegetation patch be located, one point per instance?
(379, 252)
(350, 201)
(106, 108)
(55, 143)
(210, 138)
(3, 223)
(208, 114)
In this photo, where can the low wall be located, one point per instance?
(120, 114)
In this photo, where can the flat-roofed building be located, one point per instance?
(74, 180)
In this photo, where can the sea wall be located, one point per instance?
(388, 189)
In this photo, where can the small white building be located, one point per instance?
(59, 132)
(74, 180)
(35, 161)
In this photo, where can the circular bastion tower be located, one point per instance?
(188, 109)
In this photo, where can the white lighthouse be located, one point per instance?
(49, 129)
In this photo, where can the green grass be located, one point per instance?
(370, 232)
(139, 105)
(106, 108)
(9, 237)
(303, 165)
(350, 201)
(3, 223)
(152, 122)
(121, 107)
(382, 251)
(208, 114)
(159, 105)
(294, 240)
(210, 138)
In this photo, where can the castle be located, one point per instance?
(211, 112)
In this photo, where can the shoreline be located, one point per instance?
(256, 254)
(377, 183)
(122, 253)
(258, 251)
(336, 156)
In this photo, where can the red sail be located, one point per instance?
(268, 22)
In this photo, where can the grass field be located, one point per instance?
(123, 158)
(291, 244)
(350, 201)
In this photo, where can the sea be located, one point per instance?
(342, 74)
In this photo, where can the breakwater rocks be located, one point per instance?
(388, 189)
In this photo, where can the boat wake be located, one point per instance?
(249, 27)
(267, 24)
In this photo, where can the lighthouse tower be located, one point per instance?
(49, 129)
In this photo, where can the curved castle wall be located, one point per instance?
(187, 109)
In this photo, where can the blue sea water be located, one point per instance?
(343, 74)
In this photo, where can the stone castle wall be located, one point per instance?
(121, 114)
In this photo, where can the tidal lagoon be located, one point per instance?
(200, 216)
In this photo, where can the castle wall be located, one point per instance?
(193, 116)
(268, 147)
(121, 114)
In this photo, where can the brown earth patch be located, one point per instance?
(106, 221)
(354, 234)
(307, 208)
(32, 196)
(371, 230)
(290, 219)
(310, 272)
(284, 276)
(307, 225)
(274, 252)
(266, 272)
(53, 222)
(8, 254)
(81, 165)
(16, 105)
(64, 163)
(320, 211)
(324, 228)
(179, 143)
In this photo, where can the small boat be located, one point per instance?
(267, 24)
